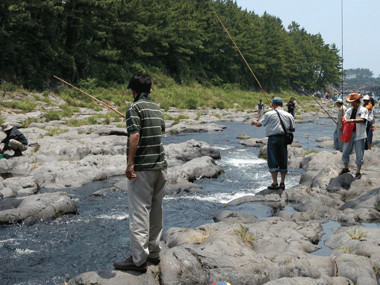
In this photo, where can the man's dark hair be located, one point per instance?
(140, 83)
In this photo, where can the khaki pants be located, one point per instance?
(16, 145)
(145, 195)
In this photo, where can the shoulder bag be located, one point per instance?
(289, 136)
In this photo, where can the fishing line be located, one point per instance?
(96, 99)
(241, 54)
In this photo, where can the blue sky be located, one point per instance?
(361, 25)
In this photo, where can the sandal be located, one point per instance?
(343, 171)
(282, 186)
(358, 175)
(273, 186)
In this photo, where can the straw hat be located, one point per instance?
(352, 97)
(6, 127)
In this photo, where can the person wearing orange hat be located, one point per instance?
(357, 115)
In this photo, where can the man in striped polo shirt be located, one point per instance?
(146, 173)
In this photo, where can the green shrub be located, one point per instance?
(219, 105)
(191, 104)
(26, 123)
(26, 105)
(52, 116)
(56, 131)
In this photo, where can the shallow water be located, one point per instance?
(51, 252)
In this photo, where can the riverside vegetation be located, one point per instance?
(63, 103)
(238, 247)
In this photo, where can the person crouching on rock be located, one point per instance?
(277, 149)
(14, 140)
(146, 173)
(359, 116)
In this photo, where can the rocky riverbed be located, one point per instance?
(237, 247)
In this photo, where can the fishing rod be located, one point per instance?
(310, 95)
(324, 110)
(96, 99)
(241, 54)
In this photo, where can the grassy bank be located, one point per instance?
(63, 102)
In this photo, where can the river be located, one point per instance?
(52, 252)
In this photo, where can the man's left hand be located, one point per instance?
(129, 172)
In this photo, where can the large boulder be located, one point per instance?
(39, 207)
(255, 252)
(202, 167)
(177, 154)
(17, 186)
(117, 277)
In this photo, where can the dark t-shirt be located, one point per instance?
(14, 134)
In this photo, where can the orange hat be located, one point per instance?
(352, 97)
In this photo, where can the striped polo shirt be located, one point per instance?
(145, 117)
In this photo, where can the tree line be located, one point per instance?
(360, 76)
(106, 41)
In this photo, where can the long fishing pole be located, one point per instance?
(324, 110)
(96, 99)
(341, 13)
(241, 54)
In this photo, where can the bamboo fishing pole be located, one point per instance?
(310, 95)
(96, 99)
(241, 54)
(324, 110)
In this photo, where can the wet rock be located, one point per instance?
(197, 168)
(177, 154)
(195, 127)
(254, 142)
(342, 181)
(117, 277)
(39, 207)
(234, 217)
(181, 187)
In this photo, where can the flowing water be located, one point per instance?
(52, 252)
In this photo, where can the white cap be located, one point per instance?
(366, 97)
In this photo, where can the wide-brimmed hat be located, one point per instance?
(352, 97)
(366, 97)
(6, 127)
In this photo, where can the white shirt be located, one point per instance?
(362, 113)
(272, 122)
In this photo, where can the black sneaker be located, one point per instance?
(343, 171)
(129, 265)
(154, 261)
(358, 175)
(273, 186)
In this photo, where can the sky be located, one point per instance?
(361, 25)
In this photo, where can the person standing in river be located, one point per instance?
(338, 144)
(260, 108)
(357, 115)
(146, 173)
(292, 106)
(277, 149)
